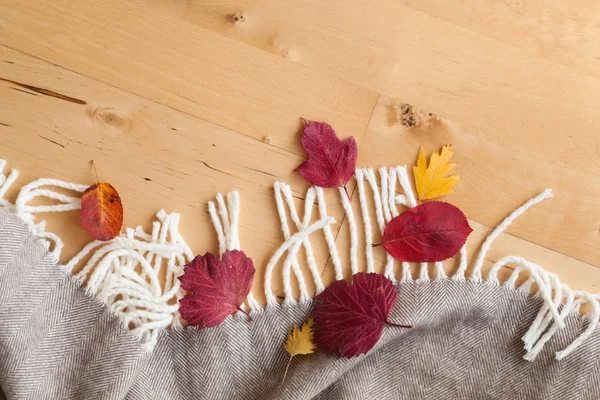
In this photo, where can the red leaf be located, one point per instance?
(218, 287)
(101, 211)
(432, 231)
(331, 162)
(351, 317)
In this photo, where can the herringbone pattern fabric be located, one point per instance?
(58, 343)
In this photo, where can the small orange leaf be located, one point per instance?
(101, 211)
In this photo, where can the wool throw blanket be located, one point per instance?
(59, 340)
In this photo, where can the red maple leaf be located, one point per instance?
(429, 232)
(331, 162)
(351, 317)
(218, 287)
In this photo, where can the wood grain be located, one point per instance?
(155, 156)
(184, 66)
(178, 100)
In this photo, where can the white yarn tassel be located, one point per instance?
(309, 202)
(291, 261)
(593, 317)
(128, 268)
(462, 265)
(359, 174)
(335, 258)
(380, 207)
(226, 224)
(439, 271)
(295, 238)
(503, 225)
(5, 184)
(389, 210)
(34, 190)
(353, 230)
(408, 200)
(423, 272)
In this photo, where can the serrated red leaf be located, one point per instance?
(218, 287)
(101, 211)
(429, 232)
(351, 317)
(331, 162)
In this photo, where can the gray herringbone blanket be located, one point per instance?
(56, 342)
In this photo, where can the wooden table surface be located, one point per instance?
(179, 100)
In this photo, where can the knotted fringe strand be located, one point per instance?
(226, 224)
(293, 242)
(559, 300)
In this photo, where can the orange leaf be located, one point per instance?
(101, 211)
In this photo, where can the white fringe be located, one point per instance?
(503, 225)
(294, 239)
(555, 294)
(335, 258)
(34, 190)
(226, 224)
(408, 200)
(123, 273)
(559, 300)
(353, 231)
(364, 208)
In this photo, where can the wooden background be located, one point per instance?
(179, 100)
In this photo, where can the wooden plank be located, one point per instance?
(495, 179)
(554, 30)
(445, 57)
(155, 156)
(149, 49)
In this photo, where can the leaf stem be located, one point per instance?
(399, 326)
(347, 194)
(303, 120)
(286, 370)
(95, 172)
(247, 315)
(376, 244)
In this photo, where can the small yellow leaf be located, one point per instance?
(431, 181)
(299, 341)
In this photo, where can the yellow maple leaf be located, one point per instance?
(299, 341)
(431, 181)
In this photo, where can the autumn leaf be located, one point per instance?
(331, 162)
(429, 232)
(218, 287)
(431, 181)
(299, 341)
(101, 210)
(351, 317)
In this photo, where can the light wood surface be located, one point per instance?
(179, 100)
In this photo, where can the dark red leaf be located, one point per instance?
(331, 162)
(218, 287)
(432, 231)
(351, 317)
